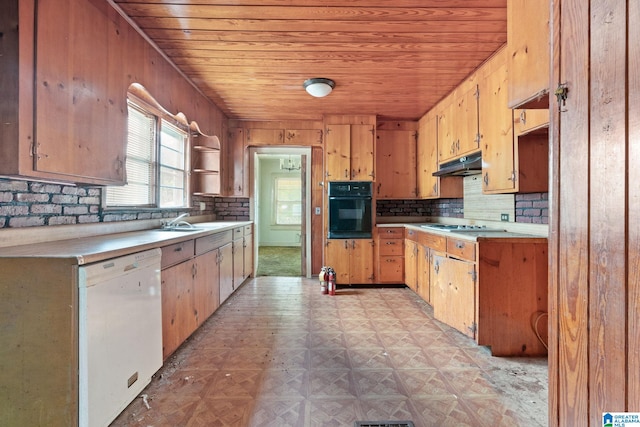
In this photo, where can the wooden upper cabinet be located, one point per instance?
(458, 123)
(427, 157)
(362, 149)
(496, 128)
(529, 53)
(349, 152)
(337, 152)
(264, 136)
(303, 137)
(396, 163)
(530, 120)
(71, 97)
(235, 182)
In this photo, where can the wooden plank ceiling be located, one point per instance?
(392, 58)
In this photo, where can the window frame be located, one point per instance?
(160, 116)
(274, 217)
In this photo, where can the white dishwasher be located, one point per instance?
(120, 333)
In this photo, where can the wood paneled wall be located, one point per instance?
(594, 363)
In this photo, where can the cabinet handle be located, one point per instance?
(353, 244)
(459, 245)
(486, 178)
(346, 173)
(346, 244)
(178, 249)
(391, 243)
(523, 117)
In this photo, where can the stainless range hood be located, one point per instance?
(468, 165)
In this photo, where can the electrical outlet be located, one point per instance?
(504, 217)
(317, 210)
(203, 206)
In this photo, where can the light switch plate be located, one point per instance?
(317, 210)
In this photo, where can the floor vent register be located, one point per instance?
(384, 424)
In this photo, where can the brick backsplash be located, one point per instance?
(32, 204)
(532, 208)
(232, 208)
(453, 208)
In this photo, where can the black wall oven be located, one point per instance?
(350, 215)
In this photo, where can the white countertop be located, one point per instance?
(98, 248)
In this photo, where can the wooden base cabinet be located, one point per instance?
(248, 251)
(352, 260)
(493, 289)
(411, 264)
(390, 257)
(453, 293)
(225, 263)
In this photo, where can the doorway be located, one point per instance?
(279, 207)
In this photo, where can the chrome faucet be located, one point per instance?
(178, 221)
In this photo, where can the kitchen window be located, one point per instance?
(288, 200)
(156, 163)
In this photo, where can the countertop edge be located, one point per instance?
(87, 250)
(475, 236)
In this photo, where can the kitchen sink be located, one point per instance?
(458, 228)
(182, 228)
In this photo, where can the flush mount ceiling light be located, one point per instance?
(318, 87)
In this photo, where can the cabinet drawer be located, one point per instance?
(391, 233)
(412, 235)
(238, 232)
(391, 269)
(391, 247)
(433, 241)
(248, 229)
(462, 249)
(212, 241)
(176, 253)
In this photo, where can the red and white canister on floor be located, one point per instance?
(332, 282)
(323, 280)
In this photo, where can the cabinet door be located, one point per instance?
(337, 256)
(248, 255)
(446, 137)
(465, 122)
(396, 164)
(423, 272)
(238, 262)
(225, 262)
(235, 180)
(528, 46)
(411, 264)
(81, 114)
(206, 285)
(527, 120)
(427, 157)
(178, 317)
(361, 261)
(337, 152)
(304, 137)
(260, 137)
(362, 152)
(496, 128)
(453, 293)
